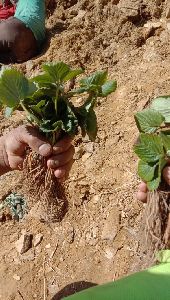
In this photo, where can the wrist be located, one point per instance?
(4, 164)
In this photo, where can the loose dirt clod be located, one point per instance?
(37, 239)
(24, 243)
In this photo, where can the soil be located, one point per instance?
(98, 239)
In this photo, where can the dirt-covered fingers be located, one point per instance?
(62, 173)
(62, 145)
(28, 135)
(142, 192)
(59, 160)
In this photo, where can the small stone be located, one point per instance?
(38, 249)
(80, 15)
(29, 256)
(78, 152)
(48, 246)
(129, 7)
(16, 277)
(53, 289)
(89, 147)
(108, 254)
(154, 25)
(102, 135)
(24, 243)
(92, 190)
(111, 225)
(29, 65)
(37, 240)
(95, 199)
(70, 234)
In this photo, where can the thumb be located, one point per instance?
(28, 135)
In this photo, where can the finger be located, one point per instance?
(142, 187)
(63, 145)
(166, 174)
(141, 196)
(16, 162)
(64, 170)
(142, 192)
(61, 159)
(27, 135)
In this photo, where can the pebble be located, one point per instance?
(38, 239)
(108, 254)
(96, 198)
(16, 277)
(153, 25)
(70, 235)
(89, 147)
(78, 152)
(29, 256)
(48, 246)
(24, 243)
(129, 8)
(111, 225)
(53, 289)
(80, 15)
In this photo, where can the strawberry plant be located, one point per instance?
(49, 104)
(153, 150)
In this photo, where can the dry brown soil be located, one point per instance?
(98, 239)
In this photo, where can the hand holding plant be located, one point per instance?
(153, 150)
(49, 106)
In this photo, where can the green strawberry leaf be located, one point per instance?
(146, 171)
(73, 74)
(108, 87)
(14, 87)
(148, 120)
(165, 136)
(154, 184)
(70, 122)
(96, 79)
(47, 126)
(150, 148)
(57, 71)
(42, 79)
(162, 105)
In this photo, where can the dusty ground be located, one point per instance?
(98, 240)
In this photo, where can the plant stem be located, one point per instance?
(56, 99)
(29, 113)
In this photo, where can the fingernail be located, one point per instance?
(45, 149)
(60, 173)
(57, 150)
(53, 163)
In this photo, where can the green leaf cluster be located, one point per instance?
(49, 103)
(153, 148)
